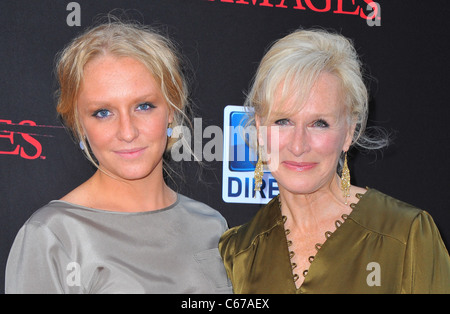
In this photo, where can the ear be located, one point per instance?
(349, 137)
(79, 129)
(171, 114)
(258, 128)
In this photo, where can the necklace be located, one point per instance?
(338, 223)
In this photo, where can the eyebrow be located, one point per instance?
(276, 115)
(135, 100)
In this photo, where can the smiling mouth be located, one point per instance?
(299, 166)
(130, 153)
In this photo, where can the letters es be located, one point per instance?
(16, 149)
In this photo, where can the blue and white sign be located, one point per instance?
(239, 161)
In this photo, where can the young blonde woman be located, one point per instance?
(322, 234)
(123, 230)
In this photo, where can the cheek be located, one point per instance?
(274, 138)
(327, 144)
(97, 135)
(154, 130)
(100, 140)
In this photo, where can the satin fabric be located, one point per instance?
(66, 248)
(384, 246)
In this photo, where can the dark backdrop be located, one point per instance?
(224, 40)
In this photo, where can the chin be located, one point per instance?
(299, 189)
(297, 185)
(132, 174)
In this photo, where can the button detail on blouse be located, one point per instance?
(318, 246)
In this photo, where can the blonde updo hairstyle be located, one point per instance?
(294, 63)
(120, 39)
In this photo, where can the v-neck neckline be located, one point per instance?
(319, 252)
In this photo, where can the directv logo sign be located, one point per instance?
(239, 162)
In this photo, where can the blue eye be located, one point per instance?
(282, 122)
(145, 106)
(101, 113)
(321, 124)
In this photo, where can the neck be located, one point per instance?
(307, 211)
(146, 194)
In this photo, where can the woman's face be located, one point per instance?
(303, 149)
(124, 117)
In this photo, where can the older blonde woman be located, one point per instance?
(123, 230)
(322, 234)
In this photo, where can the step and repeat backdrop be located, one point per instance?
(403, 44)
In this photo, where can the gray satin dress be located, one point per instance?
(66, 248)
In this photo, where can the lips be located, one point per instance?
(299, 166)
(130, 153)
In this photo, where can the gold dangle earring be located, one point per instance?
(345, 180)
(259, 172)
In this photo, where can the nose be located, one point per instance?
(298, 141)
(127, 129)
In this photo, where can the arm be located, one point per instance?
(226, 249)
(38, 263)
(427, 263)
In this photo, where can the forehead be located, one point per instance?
(116, 76)
(115, 68)
(323, 98)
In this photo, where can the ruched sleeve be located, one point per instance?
(427, 262)
(227, 250)
(38, 263)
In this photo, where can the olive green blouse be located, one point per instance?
(383, 246)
